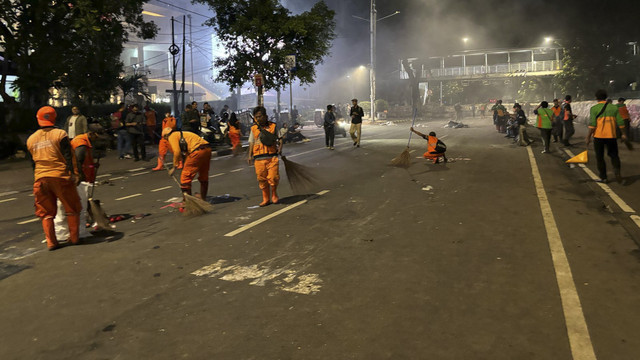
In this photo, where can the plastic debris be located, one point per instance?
(427, 188)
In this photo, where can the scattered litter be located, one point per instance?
(174, 200)
(388, 123)
(455, 125)
(119, 217)
(458, 159)
(253, 207)
(175, 205)
(427, 188)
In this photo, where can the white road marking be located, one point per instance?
(617, 199)
(117, 178)
(636, 219)
(271, 216)
(128, 197)
(236, 170)
(8, 193)
(134, 170)
(28, 221)
(7, 200)
(103, 176)
(216, 175)
(162, 188)
(579, 339)
(141, 173)
(412, 151)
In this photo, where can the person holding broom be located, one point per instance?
(264, 148)
(435, 148)
(195, 154)
(55, 176)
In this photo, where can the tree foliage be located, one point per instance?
(258, 35)
(76, 43)
(134, 85)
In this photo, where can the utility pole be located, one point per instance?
(372, 70)
(184, 40)
(193, 86)
(174, 50)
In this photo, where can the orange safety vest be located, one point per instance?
(88, 167)
(44, 146)
(556, 111)
(432, 141)
(194, 142)
(259, 150)
(624, 112)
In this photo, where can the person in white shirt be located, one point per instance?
(76, 124)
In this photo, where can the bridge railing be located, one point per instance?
(522, 67)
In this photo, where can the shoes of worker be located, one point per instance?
(127, 156)
(332, 148)
(603, 181)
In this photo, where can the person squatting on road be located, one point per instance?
(604, 118)
(356, 114)
(521, 120)
(163, 146)
(82, 146)
(329, 127)
(544, 123)
(195, 154)
(264, 148)
(55, 176)
(435, 148)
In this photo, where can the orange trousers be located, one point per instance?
(234, 136)
(268, 172)
(163, 148)
(432, 156)
(197, 163)
(46, 191)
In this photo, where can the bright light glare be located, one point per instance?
(548, 39)
(145, 12)
(465, 39)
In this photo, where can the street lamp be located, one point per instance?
(372, 70)
(548, 40)
(465, 40)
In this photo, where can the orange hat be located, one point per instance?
(46, 116)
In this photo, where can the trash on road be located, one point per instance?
(427, 188)
(455, 125)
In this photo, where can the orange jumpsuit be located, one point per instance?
(234, 136)
(88, 166)
(431, 153)
(52, 181)
(266, 164)
(197, 161)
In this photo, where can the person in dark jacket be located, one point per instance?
(356, 114)
(329, 127)
(135, 123)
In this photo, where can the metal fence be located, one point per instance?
(514, 68)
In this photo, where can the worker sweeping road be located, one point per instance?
(55, 176)
(435, 148)
(195, 153)
(82, 146)
(163, 146)
(264, 148)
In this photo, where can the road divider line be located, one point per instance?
(162, 188)
(236, 170)
(8, 193)
(103, 176)
(272, 215)
(216, 175)
(7, 200)
(577, 330)
(136, 169)
(116, 178)
(28, 221)
(636, 219)
(128, 197)
(617, 199)
(141, 173)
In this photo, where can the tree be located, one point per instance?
(134, 85)
(76, 42)
(259, 34)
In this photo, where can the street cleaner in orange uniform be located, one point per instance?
(195, 153)
(435, 147)
(163, 146)
(234, 133)
(82, 146)
(55, 176)
(264, 148)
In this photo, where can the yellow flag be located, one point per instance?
(579, 159)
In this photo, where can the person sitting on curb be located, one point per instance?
(294, 135)
(435, 148)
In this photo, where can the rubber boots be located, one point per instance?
(265, 196)
(74, 228)
(204, 188)
(50, 233)
(180, 165)
(160, 165)
(274, 195)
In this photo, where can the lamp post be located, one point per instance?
(373, 19)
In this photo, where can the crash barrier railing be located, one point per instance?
(514, 68)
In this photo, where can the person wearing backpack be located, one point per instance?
(435, 147)
(194, 153)
(604, 119)
(544, 123)
(558, 122)
(264, 148)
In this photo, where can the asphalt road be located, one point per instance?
(503, 253)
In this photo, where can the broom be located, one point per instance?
(97, 213)
(192, 205)
(404, 159)
(300, 177)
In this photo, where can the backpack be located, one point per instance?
(184, 147)
(266, 137)
(440, 147)
(500, 112)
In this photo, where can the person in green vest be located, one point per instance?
(544, 123)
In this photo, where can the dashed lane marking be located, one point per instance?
(103, 176)
(7, 200)
(28, 221)
(8, 193)
(636, 219)
(617, 199)
(216, 175)
(117, 178)
(141, 173)
(162, 188)
(271, 216)
(236, 170)
(128, 197)
(577, 330)
(137, 169)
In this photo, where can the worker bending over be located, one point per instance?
(195, 153)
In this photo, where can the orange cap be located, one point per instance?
(46, 116)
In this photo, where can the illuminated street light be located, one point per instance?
(548, 39)
(465, 40)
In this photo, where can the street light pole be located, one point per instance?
(372, 70)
